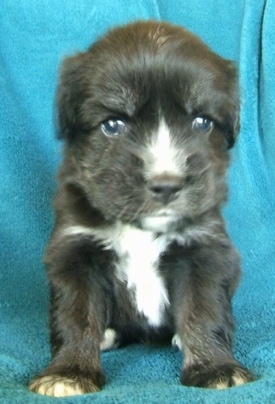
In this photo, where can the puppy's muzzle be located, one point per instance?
(165, 188)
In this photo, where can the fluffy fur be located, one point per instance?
(139, 251)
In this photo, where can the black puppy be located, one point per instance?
(139, 250)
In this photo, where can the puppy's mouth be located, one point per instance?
(161, 222)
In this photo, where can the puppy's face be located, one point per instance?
(148, 114)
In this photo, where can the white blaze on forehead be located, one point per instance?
(164, 152)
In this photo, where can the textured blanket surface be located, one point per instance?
(35, 35)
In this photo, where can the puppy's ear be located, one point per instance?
(233, 127)
(233, 105)
(71, 93)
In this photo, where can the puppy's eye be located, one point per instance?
(202, 124)
(113, 127)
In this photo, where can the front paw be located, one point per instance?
(64, 386)
(216, 376)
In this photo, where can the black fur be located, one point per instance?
(138, 75)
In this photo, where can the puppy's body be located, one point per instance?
(139, 251)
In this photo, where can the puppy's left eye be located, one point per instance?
(202, 124)
(113, 127)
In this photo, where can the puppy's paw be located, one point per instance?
(62, 386)
(219, 376)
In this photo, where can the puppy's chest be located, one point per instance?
(139, 254)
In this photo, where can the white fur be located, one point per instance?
(164, 152)
(159, 223)
(75, 230)
(102, 235)
(109, 340)
(140, 252)
(176, 342)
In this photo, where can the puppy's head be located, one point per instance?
(148, 114)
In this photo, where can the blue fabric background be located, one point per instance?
(35, 35)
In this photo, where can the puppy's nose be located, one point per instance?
(165, 189)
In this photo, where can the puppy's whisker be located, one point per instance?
(128, 201)
(120, 170)
(142, 208)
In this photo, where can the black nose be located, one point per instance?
(165, 189)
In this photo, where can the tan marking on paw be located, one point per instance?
(56, 386)
(221, 385)
(238, 380)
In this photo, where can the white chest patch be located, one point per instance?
(139, 254)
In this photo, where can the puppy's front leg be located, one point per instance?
(204, 318)
(78, 318)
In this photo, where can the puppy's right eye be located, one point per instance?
(113, 127)
(202, 124)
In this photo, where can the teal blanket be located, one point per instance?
(35, 35)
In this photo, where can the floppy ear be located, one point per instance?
(233, 128)
(71, 93)
(233, 102)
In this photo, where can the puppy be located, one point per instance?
(139, 250)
